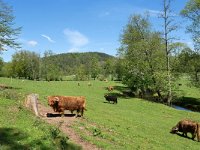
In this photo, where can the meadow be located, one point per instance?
(132, 123)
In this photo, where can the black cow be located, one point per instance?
(112, 98)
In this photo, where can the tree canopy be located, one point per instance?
(8, 33)
(191, 11)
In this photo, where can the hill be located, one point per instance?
(69, 63)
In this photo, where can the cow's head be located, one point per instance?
(174, 130)
(52, 101)
(106, 95)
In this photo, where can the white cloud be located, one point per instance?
(32, 43)
(76, 38)
(48, 38)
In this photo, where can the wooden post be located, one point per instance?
(31, 102)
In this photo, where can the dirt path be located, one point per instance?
(64, 124)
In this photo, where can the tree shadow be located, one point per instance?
(10, 139)
(122, 91)
(190, 103)
(126, 92)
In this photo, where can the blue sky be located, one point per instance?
(81, 25)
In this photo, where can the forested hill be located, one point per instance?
(81, 57)
(70, 63)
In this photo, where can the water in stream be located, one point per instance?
(180, 108)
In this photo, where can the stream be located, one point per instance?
(180, 108)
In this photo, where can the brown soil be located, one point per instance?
(64, 124)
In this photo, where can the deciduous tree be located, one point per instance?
(143, 55)
(191, 11)
(8, 33)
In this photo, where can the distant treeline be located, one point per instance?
(84, 66)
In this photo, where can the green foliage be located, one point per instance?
(51, 67)
(143, 56)
(7, 70)
(8, 33)
(25, 64)
(189, 63)
(191, 11)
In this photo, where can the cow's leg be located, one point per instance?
(62, 113)
(193, 135)
(184, 134)
(72, 111)
(82, 112)
(77, 112)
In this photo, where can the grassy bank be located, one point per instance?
(131, 124)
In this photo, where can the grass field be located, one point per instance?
(20, 130)
(131, 124)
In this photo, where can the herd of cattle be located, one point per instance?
(78, 103)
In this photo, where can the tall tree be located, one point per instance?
(8, 33)
(141, 50)
(192, 12)
(169, 27)
(49, 68)
(26, 64)
(95, 69)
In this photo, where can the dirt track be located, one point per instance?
(64, 124)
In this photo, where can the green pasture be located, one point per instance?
(131, 124)
(21, 130)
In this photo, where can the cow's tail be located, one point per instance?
(198, 132)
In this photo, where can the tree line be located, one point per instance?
(84, 66)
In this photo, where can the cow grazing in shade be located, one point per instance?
(71, 103)
(186, 126)
(112, 98)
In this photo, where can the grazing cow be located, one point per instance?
(110, 88)
(112, 98)
(71, 103)
(186, 126)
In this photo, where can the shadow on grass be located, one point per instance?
(109, 102)
(188, 102)
(123, 92)
(10, 139)
(59, 115)
(181, 135)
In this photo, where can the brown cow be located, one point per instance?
(110, 88)
(71, 103)
(186, 126)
